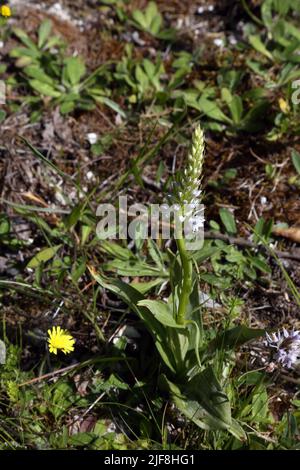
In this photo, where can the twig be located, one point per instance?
(49, 375)
(239, 241)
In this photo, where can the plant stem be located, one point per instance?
(186, 286)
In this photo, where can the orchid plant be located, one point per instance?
(193, 373)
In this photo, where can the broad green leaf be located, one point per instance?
(44, 88)
(67, 107)
(144, 287)
(263, 229)
(153, 18)
(43, 256)
(235, 105)
(156, 24)
(44, 32)
(149, 67)
(25, 39)
(234, 338)
(296, 160)
(203, 401)
(228, 221)
(82, 439)
(116, 250)
(140, 19)
(132, 297)
(74, 70)
(161, 311)
(205, 253)
(4, 225)
(133, 268)
(260, 405)
(24, 53)
(78, 271)
(36, 72)
(150, 12)
(257, 44)
(260, 264)
(141, 77)
(212, 110)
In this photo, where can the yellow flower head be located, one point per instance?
(5, 11)
(283, 105)
(60, 339)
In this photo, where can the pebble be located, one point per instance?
(92, 137)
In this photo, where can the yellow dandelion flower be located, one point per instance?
(60, 339)
(283, 105)
(5, 11)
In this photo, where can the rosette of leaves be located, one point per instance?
(59, 80)
(151, 21)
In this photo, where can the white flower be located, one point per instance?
(286, 347)
(219, 42)
(186, 192)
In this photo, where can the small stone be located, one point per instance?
(92, 137)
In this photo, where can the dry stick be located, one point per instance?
(247, 243)
(50, 374)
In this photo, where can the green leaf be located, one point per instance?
(212, 110)
(228, 221)
(74, 70)
(132, 297)
(235, 105)
(203, 401)
(142, 78)
(44, 88)
(262, 229)
(234, 338)
(67, 107)
(25, 39)
(36, 72)
(150, 12)
(78, 271)
(260, 407)
(260, 264)
(205, 253)
(133, 268)
(82, 439)
(296, 160)
(156, 24)
(153, 18)
(161, 311)
(44, 32)
(258, 45)
(144, 287)
(155, 253)
(112, 105)
(117, 251)
(43, 256)
(140, 19)
(4, 225)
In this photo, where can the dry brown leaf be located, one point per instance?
(33, 198)
(292, 233)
